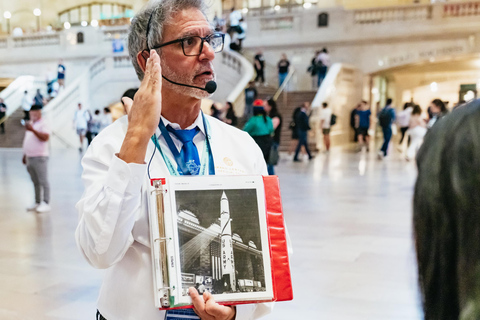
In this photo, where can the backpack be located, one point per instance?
(333, 120)
(385, 118)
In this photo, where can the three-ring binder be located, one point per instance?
(201, 238)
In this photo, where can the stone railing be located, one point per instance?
(122, 62)
(461, 9)
(392, 14)
(36, 40)
(112, 33)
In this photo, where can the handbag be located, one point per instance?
(274, 156)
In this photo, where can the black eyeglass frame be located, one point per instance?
(208, 37)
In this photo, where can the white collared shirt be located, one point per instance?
(113, 230)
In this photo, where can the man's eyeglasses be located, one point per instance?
(192, 45)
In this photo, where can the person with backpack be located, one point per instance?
(327, 119)
(386, 117)
(302, 125)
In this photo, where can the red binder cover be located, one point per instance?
(280, 265)
(282, 280)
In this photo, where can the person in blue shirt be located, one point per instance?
(386, 117)
(260, 128)
(363, 114)
(61, 74)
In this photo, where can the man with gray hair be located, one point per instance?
(171, 40)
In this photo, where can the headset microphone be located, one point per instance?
(210, 87)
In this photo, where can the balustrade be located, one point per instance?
(461, 9)
(122, 62)
(36, 40)
(372, 16)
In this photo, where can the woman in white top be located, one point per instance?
(417, 130)
(106, 119)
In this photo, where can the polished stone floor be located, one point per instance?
(348, 214)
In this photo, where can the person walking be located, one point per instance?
(354, 123)
(403, 120)
(416, 132)
(61, 74)
(26, 105)
(260, 128)
(3, 114)
(106, 118)
(302, 125)
(38, 99)
(283, 67)
(272, 111)
(386, 117)
(363, 115)
(323, 62)
(250, 96)
(293, 128)
(325, 124)
(35, 157)
(313, 70)
(80, 122)
(259, 64)
(93, 127)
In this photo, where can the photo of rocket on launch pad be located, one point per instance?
(220, 241)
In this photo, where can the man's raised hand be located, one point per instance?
(143, 113)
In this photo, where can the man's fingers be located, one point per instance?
(127, 104)
(148, 71)
(197, 300)
(155, 79)
(216, 310)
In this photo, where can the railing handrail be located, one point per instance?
(285, 82)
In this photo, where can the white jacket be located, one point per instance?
(113, 231)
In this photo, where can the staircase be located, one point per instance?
(286, 104)
(14, 131)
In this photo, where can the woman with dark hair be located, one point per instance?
(214, 112)
(403, 119)
(230, 116)
(416, 132)
(438, 110)
(447, 216)
(260, 128)
(272, 111)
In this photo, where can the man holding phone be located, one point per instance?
(165, 133)
(35, 157)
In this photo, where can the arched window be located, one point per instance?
(80, 37)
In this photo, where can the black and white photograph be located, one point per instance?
(219, 240)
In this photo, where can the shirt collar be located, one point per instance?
(197, 123)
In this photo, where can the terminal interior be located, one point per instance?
(348, 214)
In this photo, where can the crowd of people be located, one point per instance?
(411, 123)
(88, 125)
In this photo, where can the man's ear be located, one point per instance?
(142, 58)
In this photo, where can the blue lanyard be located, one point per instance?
(182, 167)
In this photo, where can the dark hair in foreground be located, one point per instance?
(447, 216)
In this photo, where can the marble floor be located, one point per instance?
(348, 214)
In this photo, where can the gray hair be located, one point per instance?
(160, 11)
